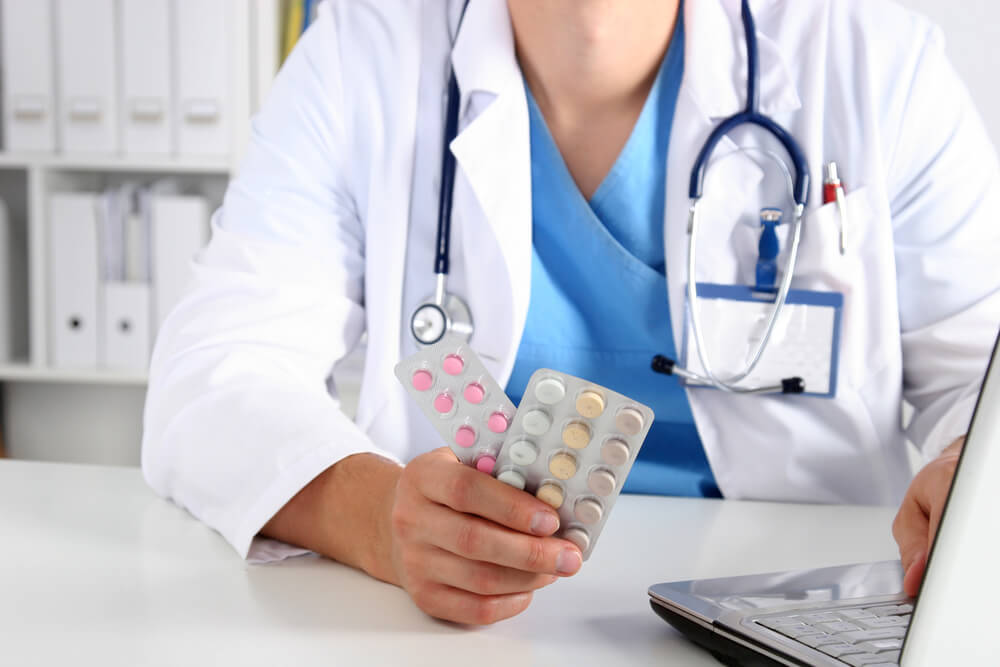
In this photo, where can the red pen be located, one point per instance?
(833, 191)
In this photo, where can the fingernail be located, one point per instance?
(544, 523)
(568, 562)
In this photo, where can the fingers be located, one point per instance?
(467, 490)
(459, 606)
(480, 577)
(914, 574)
(919, 516)
(477, 539)
(910, 530)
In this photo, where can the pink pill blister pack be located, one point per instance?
(458, 395)
(572, 444)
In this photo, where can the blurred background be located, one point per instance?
(123, 121)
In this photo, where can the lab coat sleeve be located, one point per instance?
(944, 185)
(240, 413)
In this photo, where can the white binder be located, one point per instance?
(179, 229)
(87, 75)
(28, 72)
(204, 59)
(146, 102)
(73, 280)
(125, 335)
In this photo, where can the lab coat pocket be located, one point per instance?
(820, 264)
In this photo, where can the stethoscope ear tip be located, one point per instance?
(663, 365)
(794, 385)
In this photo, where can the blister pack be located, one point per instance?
(572, 444)
(458, 395)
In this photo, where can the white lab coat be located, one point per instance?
(328, 233)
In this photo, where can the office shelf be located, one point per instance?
(117, 163)
(25, 372)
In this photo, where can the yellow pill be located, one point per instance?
(590, 404)
(551, 494)
(562, 466)
(576, 435)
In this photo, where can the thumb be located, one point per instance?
(910, 529)
(914, 574)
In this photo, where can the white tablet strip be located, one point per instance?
(572, 445)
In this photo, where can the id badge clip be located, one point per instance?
(733, 319)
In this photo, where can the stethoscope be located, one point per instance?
(445, 313)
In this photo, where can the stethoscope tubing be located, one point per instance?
(750, 115)
(800, 193)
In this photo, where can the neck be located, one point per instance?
(584, 56)
(590, 65)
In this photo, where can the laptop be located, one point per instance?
(856, 614)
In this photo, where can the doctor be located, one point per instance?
(579, 122)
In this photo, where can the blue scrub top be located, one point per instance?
(599, 305)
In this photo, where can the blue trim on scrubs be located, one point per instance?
(599, 305)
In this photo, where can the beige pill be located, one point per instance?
(629, 421)
(576, 435)
(562, 466)
(601, 482)
(590, 404)
(578, 536)
(614, 452)
(551, 494)
(588, 511)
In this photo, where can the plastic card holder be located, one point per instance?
(733, 318)
(467, 407)
(572, 445)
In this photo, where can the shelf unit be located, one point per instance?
(256, 56)
(98, 411)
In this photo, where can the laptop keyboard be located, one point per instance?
(871, 636)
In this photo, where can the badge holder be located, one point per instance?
(804, 343)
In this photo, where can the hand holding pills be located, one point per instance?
(469, 548)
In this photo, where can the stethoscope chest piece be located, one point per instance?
(432, 320)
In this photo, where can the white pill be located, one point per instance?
(629, 421)
(512, 478)
(588, 511)
(601, 482)
(536, 422)
(579, 537)
(550, 391)
(523, 453)
(615, 452)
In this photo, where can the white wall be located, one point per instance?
(972, 30)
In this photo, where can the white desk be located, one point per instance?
(96, 570)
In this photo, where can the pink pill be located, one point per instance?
(422, 380)
(485, 464)
(474, 393)
(498, 422)
(465, 436)
(453, 364)
(444, 403)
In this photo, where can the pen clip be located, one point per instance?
(842, 209)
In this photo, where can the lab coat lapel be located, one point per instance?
(493, 188)
(713, 88)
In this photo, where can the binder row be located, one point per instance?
(119, 262)
(13, 301)
(138, 77)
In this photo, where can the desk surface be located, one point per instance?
(97, 570)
